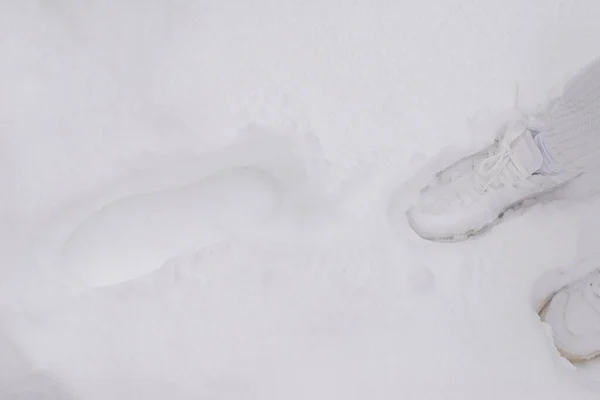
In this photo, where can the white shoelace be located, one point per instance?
(501, 169)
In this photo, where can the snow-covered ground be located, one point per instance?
(204, 200)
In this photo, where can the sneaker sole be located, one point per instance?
(572, 357)
(474, 232)
(522, 204)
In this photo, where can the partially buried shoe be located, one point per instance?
(574, 315)
(474, 193)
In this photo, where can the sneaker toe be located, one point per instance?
(436, 217)
(575, 324)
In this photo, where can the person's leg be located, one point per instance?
(572, 125)
(535, 156)
(568, 299)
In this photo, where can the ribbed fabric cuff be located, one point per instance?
(572, 125)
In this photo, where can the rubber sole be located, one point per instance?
(478, 231)
(522, 204)
(572, 357)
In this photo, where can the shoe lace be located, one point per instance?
(501, 169)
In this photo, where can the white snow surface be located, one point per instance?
(205, 199)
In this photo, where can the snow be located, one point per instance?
(205, 199)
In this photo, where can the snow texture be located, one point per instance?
(205, 199)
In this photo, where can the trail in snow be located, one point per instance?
(144, 231)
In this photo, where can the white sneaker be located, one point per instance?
(474, 193)
(574, 315)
